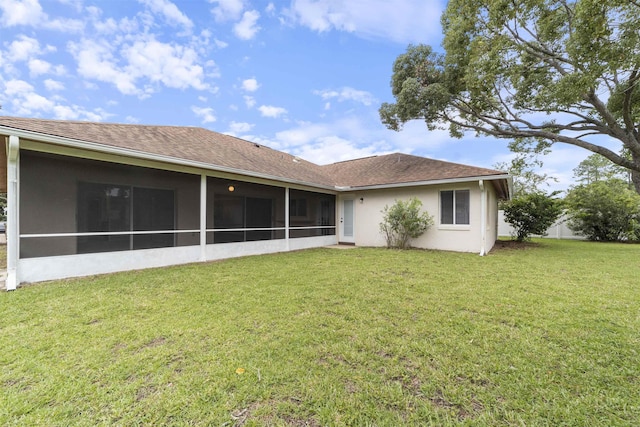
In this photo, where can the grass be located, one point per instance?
(547, 335)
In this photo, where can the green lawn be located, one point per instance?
(548, 335)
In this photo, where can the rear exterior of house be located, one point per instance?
(92, 198)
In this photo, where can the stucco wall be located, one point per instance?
(463, 238)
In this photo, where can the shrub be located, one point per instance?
(403, 222)
(532, 213)
(604, 211)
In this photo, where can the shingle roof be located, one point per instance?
(400, 168)
(180, 142)
(216, 149)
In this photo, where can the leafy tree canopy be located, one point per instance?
(523, 170)
(535, 71)
(597, 168)
(604, 210)
(532, 213)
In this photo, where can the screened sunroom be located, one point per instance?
(72, 207)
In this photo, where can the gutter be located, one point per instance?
(430, 182)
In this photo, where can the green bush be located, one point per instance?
(605, 211)
(532, 213)
(403, 222)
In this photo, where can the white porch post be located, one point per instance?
(483, 218)
(13, 223)
(286, 216)
(203, 217)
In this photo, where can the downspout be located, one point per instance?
(12, 229)
(483, 217)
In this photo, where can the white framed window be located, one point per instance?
(454, 207)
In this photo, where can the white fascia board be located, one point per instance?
(127, 152)
(431, 182)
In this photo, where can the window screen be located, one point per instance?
(454, 207)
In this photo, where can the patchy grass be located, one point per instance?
(3, 256)
(547, 335)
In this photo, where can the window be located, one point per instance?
(243, 211)
(109, 208)
(311, 214)
(298, 207)
(454, 207)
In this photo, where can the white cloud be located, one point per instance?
(173, 65)
(271, 111)
(20, 12)
(170, 11)
(250, 85)
(23, 48)
(249, 101)
(402, 21)
(347, 94)
(323, 143)
(270, 8)
(331, 149)
(23, 100)
(53, 85)
(29, 13)
(205, 113)
(247, 28)
(227, 10)
(146, 59)
(220, 44)
(38, 67)
(96, 61)
(240, 127)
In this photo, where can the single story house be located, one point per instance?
(88, 198)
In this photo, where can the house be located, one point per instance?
(89, 198)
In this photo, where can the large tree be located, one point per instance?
(536, 72)
(597, 168)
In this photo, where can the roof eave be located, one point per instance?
(427, 182)
(126, 152)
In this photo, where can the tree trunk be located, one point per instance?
(635, 175)
(635, 179)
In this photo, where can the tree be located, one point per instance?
(403, 221)
(3, 206)
(525, 178)
(604, 211)
(532, 213)
(597, 168)
(537, 72)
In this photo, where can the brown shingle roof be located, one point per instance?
(179, 142)
(400, 168)
(216, 149)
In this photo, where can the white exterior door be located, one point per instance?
(347, 208)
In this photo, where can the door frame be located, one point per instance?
(341, 218)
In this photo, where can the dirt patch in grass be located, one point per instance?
(514, 245)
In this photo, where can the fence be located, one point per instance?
(559, 230)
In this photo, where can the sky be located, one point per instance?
(302, 76)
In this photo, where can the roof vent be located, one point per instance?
(256, 145)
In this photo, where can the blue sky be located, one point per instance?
(303, 76)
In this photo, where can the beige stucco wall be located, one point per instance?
(462, 238)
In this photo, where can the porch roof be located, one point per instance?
(200, 145)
